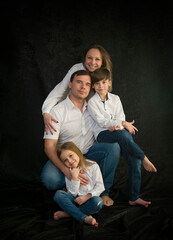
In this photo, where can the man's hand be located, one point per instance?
(48, 123)
(83, 179)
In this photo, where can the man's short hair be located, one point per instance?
(79, 73)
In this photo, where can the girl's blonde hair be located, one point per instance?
(83, 163)
(106, 59)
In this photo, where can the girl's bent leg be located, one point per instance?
(66, 201)
(92, 206)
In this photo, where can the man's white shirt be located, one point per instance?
(73, 125)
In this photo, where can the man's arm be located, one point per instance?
(50, 150)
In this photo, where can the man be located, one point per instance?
(75, 124)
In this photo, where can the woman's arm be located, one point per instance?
(55, 96)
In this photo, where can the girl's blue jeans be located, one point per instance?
(66, 201)
(107, 155)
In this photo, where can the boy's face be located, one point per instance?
(102, 87)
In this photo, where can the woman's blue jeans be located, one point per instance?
(66, 201)
(133, 155)
(105, 154)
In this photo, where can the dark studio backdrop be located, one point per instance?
(40, 41)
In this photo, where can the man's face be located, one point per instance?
(80, 86)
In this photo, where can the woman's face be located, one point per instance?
(93, 60)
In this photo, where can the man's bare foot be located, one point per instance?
(60, 214)
(139, 201)
(148, 165)
(107, 201)
(91, 221)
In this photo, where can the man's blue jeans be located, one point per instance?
(105, 154)
(66, 201)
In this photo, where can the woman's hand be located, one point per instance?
(48, 123)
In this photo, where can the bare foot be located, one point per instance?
(139, 201)
(91, 221)
(148, 165)
(107, 201)
(60, 214)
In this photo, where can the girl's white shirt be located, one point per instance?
(106, 114)
(95, 185)
(59, 90)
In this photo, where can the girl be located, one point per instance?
(94, 57)
(80, 201)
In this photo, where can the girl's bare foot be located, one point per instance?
(139, 201)
(107, 201)
(148, 165)
(91, 221)
(60, 214)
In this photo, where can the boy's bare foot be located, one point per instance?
(91, 221)
(107, 201)
(148, 165)
(60, 214)
(139, 201)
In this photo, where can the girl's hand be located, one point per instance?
(74, 173)
(82, 199)
(48, 123)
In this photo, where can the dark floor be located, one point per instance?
(26, 214)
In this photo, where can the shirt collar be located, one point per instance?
(71, 105)
(98, 97)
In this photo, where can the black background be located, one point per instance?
(40, 41)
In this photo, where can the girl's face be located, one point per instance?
(69, 158)
(102, 87)
(93, 60)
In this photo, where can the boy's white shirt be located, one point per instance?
(95, 185)
(59, 90)
(107, 114)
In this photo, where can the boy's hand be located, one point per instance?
(129, 126)
(114, 128)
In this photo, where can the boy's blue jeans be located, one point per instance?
(66, 201)
(124, 139)
(132, 154)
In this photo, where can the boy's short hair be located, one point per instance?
(100, 74)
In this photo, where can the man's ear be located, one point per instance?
(69, 85)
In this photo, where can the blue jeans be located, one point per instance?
(105, 154)
(66, 201)
(124, 139)
(132, 154)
